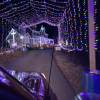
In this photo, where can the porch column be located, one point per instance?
(59, 34)
(24, 32)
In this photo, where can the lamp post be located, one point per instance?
(22, 39)
(40, 41)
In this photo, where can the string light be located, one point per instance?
(5, 34)
(2, 34)
(4, 1)
(61, 8)
(67, 23)
(80, 32)
(78, 43)
(85, 28)
(95, 23)
(64, 16)
(74, 10)
(57, 1)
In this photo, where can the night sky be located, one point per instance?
(51, 30)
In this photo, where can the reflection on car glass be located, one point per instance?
(30, 80)
(3, 78)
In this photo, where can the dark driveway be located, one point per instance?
(40, 61)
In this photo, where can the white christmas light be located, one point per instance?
(66, 42)
(13, 33)
(21, 37)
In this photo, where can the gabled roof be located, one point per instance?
(29, 31)
(12, 30)
(23, 24)
(33, 30)
(36, 31)
(27, 34)
(46, 34)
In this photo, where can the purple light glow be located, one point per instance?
(3, 79)
(22, 75)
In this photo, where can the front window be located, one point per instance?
(51, 41)
(27, 39)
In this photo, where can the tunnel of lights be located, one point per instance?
(70, 16)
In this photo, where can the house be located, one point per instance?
(35, 38)
(29, 37)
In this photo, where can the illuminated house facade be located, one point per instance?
(28, 38)
(36, 38)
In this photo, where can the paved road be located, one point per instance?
(40, 61)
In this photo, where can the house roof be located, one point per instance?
(36, 31)
(27, 34)
(23, 24)
(29, 31)
(29, 28)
